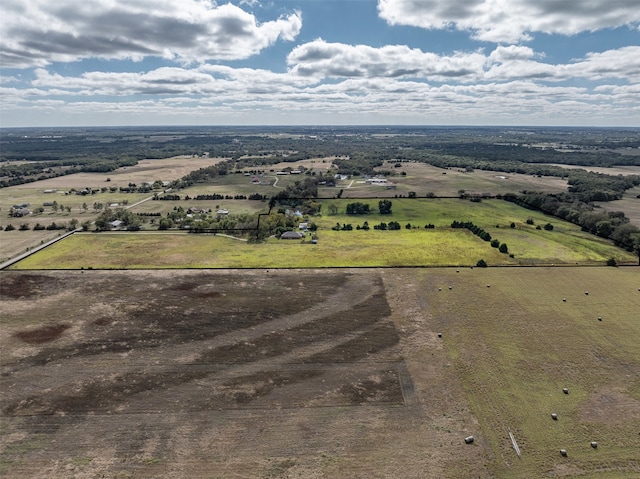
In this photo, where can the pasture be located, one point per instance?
(320, 373)
(440, 246)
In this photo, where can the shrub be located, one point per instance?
(9, 227)
(612, 262)
(495, 243)
(481, 263)
(503, 248)
(548, 227)
(529, 221)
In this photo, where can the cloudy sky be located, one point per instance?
(318, 62)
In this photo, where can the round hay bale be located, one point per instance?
(554, 416)
(439, 335)
(565, 390)
(563, 452)
(599, 318)
(488, 286)
(468, 439)
(450, 287)
(594, 444)
(564, 300)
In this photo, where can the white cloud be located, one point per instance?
(319, 59)
(512, 20)
(335, 83)
(322, 59)
(353, 100)
(39, 32)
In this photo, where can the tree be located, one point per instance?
(357, 208)
(165, 224)
(612, 262)
(636, 245)
(9, 227)
(503, 248)
(333, 209)
(604, 228)
(384, 207)
(481, 263)
(548, 227)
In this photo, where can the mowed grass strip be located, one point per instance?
(516, 344)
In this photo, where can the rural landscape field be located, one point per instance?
(468, 308)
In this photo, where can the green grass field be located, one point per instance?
(517, 344)
(441, 246)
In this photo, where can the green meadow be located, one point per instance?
(539, 330)
(415, 246)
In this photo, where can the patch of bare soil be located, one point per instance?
(610, 406)
(222, 374)
(42, 335)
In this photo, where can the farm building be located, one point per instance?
(377, 181)
(291, 235)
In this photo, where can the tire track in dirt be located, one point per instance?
(132, 375)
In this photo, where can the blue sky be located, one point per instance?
(320, 62)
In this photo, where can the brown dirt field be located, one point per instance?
(234, 374)
(146, 170)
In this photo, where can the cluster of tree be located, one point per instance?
(210, 197)
(73, 224)
(129, 220)
(358, 208)
(166, 197)
(358, 164)
(300, 189)
(484, 151)
(344, 227)
(502, 247)
(392, 226)
(384, 207)
(589, 186)
(202, 175)
(475, 229)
